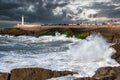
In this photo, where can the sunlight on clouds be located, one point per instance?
(78, 9)
(31, 8)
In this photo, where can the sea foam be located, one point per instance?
(58, 52)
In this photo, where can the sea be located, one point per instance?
(7, 25)
(57, 52)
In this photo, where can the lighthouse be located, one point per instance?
(22, 20)
(24, 25)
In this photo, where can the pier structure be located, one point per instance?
(38, 27)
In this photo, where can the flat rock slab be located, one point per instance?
(37, 74)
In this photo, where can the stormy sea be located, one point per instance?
(57, 52)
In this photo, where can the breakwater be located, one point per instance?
(110, 32)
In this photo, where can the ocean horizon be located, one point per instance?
(6, 25)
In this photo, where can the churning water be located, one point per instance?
(58, 52)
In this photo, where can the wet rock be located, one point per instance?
(118, 78)
(101, 72)
(4, 76)
(116, 56)
(108, 36)
(107, 73)
(37, 74)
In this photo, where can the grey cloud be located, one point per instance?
(108, 10)
(42, 10)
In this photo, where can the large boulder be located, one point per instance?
(37, 74)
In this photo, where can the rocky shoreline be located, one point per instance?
(106, 73)
(33, 74)
(112, 34)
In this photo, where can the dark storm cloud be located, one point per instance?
(108, 9)
(42, 10)
(104, 8)
(33, 10)
(116, 1)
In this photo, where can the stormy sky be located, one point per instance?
(58, 11)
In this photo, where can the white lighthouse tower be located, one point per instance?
(22, 20)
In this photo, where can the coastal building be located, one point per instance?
(23, 24)
(114, 21)
(72, 24)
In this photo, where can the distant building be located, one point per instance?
(113, 21)
(72, 24)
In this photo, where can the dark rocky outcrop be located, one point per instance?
(116, 56)
(14, 32)
(111, 34)
(79, 33)
(37, 74)
(106, 73)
